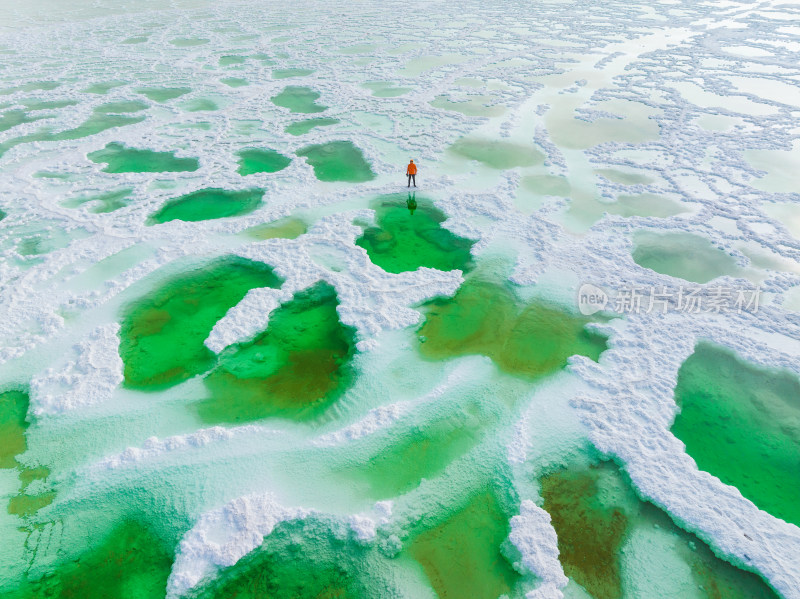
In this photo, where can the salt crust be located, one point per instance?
(630, 408)
(88, 379)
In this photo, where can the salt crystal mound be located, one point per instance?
(569, 79)
(222, 537)
(88, 380)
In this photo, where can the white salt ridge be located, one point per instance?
(247, 318)
(88, 379)
(384, 416)
(154, 448)
(629, 415)
(370, 299)
(639, 434)
(535, 538)
(223, 536)
(375, 420)
(631, 407)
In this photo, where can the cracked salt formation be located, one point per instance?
(664, 118)
(337, 161)
(755, 413)
(162, 334)
(121, 159)
(403, 241)
(295, 368)
(255, 160)
(206, 204)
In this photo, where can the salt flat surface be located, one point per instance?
(693, 102)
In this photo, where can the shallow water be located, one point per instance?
(299, 99)
(237, 357)
(727, 402)
(497, 154)
(102, 202)
(327, 566)
(303, 127)
(162, 333)
(121, 159)
(462, 555)
(293, 369)
(607, 535)
(255, 160)
(337, 161)
(682, 255)
(409, 234)
(163, 94)
(285, 228)
(287, 73)
(528, 340)
(131, 563)
(205, 204)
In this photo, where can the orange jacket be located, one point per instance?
(412, 169)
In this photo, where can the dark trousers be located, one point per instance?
(410, 178)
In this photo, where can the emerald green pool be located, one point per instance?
(257, 160)
(207, 204)
(530, 340)
(337, 161)
(730, 407)
(298, 99)
(122, 159)
(405, 240)
(163, 332)
(295, 368)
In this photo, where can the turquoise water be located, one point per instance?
(240, 358)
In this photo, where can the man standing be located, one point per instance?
(411, 171)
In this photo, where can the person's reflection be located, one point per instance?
(411, 202)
